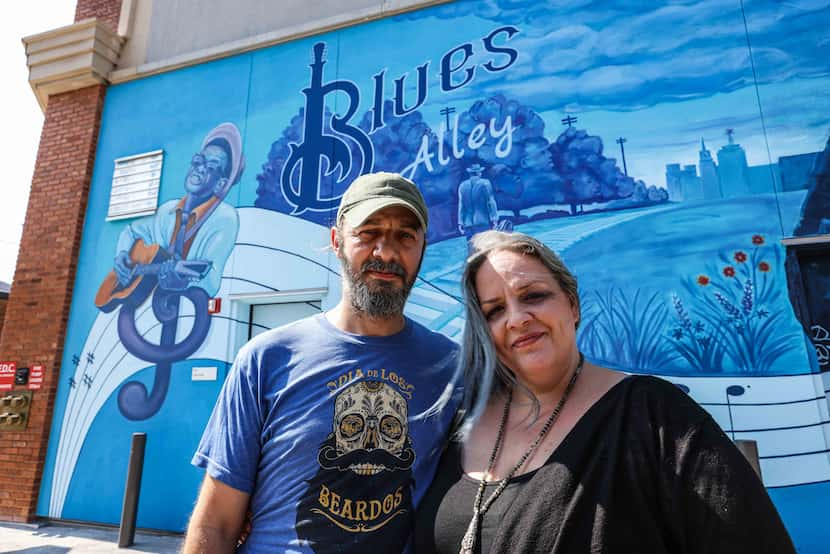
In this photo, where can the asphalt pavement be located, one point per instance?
(58, 538)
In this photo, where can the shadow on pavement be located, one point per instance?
(41, 550)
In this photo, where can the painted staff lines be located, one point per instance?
(80, 415)
(78, 395)
(104, 364)
(786, 415)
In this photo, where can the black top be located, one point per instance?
(457, 492)
(645, 470)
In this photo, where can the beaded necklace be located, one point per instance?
(469, 540)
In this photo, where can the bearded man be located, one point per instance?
(314, 429)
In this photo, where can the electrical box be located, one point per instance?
(14, 410)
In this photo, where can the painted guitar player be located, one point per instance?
(180, 252)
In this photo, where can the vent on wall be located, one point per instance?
(135, 185)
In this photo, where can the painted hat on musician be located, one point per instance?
(227, 136)
(375, 191)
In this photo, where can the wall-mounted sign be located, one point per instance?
(135, 185)
(203, 374)
(7, 372)
(36, 377)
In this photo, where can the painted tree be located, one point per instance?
(523, 175)
(588, 175)
(396, 146)
(503, 136)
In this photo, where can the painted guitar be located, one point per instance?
(146, 261)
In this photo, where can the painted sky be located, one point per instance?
(666, 75)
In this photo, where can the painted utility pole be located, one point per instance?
(446, 113)
(622, 141)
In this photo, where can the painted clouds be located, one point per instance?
(622, 56)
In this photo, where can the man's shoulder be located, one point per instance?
(435, 341)
(168, 207)
(283, 337)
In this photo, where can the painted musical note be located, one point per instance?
(682, 387)
(732, 390)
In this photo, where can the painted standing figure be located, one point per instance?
(477, 209)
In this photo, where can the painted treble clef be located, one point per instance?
(133, 399)
(305, 159)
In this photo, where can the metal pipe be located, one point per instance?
(129, 512)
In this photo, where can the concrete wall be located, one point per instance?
(163, 32)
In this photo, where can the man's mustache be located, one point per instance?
(384, 267)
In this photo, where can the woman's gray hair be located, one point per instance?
(478, 364)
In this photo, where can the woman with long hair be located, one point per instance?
(557, 454)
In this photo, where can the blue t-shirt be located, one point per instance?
(320, 426)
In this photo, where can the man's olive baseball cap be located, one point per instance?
(375, 191)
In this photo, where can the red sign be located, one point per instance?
(7, 370)
(214, 305)
(35, 377)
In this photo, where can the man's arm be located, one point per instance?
(217, 519)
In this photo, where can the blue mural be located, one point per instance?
(663, 149)
(178, 253)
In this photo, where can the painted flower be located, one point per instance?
(677, 334)
(757, 240)
(729, 271)
(763, 266)
(740, 257)
(702, 280)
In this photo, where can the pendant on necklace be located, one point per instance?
(469, 540)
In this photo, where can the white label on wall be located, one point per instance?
(203, 374)
(135, 185)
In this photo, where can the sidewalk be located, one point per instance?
(55, 538)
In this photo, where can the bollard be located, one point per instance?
(749, 449)
(129, 512)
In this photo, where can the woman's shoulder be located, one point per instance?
(661, 400)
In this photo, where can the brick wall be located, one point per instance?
(105, 10)
(38, 306)
(3, 300)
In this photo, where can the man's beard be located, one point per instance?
(380, 299)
